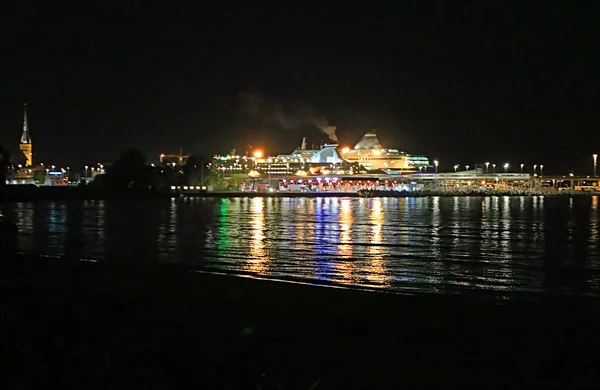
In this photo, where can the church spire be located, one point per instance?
(26, 146)
(25, 137)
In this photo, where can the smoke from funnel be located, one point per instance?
(257, 107)
(330, 131)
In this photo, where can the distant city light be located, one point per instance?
(258, 153)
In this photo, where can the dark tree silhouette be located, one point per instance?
(195, 171)
(4, 164)
(128, 171)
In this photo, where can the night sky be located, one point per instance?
(460, 83)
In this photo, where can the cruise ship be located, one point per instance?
(369, 153)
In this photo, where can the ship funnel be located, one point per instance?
(303, 145)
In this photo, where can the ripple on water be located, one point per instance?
(487, 245)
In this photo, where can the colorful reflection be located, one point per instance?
(502, 242)
(259, 254)
(326, 238)
(436, 221)
(346, 264)
(167, 235)
(346, 221)
(504, 228)
(594, 224)
(376, 271)
(223, 220)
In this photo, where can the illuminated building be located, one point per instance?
(369, 153)
(56, 177)
(20, 175)
(26, 145)
(173, 159)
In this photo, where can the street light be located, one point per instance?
(541, 170)
(487, 165)
(522, 165)
(436, 163)
(455, 167)
(258, 153)
(534, 168)
(595, 156)
(494, 168)
(466, 167)
(505, 167)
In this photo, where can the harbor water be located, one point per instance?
(503, 247)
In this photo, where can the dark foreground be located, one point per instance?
(98, 326)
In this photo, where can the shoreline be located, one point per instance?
(33, 193)
(384, 194)
(32, 263)
(133, 325)
(177, 279)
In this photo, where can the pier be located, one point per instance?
(431, 183)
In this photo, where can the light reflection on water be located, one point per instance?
(258, 260)
(441, 244)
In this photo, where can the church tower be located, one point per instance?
(26, 145)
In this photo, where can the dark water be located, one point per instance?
(503, 246)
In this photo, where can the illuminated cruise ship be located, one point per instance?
(369, 153)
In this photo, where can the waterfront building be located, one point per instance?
(173, 160)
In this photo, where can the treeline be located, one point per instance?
(4, 164)
(131, 170)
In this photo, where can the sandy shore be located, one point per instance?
(93, 325)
